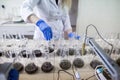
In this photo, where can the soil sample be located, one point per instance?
(23, 53)
(65, 64)
(31, 68)
(47, 67)
(95, 63)
(71, 51)
(18, 66)
(9, 54)
(118, 61)
(107, 74)
(79, 63)
(37, 53)
(1, 53)
(50, 49)
(59, 52)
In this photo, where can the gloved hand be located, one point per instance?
(13, 75)
(73, 35)
(45, 29)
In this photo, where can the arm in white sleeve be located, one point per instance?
(27, 8)
(67, 24)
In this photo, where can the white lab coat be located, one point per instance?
(54, 15)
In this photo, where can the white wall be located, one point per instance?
(73, 12)
(104, 14)
(12, 7)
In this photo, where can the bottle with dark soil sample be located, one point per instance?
(47, 63)
(51, 49)
(95, 63)
(24, 54)
(62, 52)
(47, 67)
(18, 66)
(1, 53)
(78, 62)
(17, 63)
(31, 68)
(65, 64)
(58, 52)
(118, 61)
(71, 51)
(37, 53)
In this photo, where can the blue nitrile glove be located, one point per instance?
(73, 35)
(13, 75)
(47, 31)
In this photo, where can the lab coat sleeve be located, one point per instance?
(27, 8)
(66, 22)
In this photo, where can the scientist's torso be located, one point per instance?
(53, 14)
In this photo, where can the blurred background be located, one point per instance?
(104, 14)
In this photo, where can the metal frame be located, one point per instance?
(109, 63)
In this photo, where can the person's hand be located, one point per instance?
(73, 35)
(13, 75)
(47, 31)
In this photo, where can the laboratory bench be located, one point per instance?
(18, 46)
(27, 29)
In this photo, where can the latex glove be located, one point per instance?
(47, 31)
(13, 75)
(73, 35)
